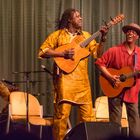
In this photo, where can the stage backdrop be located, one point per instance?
(24, 25)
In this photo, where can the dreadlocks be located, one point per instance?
(64, 22)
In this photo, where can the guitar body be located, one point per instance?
(111, 91)
(68, 65)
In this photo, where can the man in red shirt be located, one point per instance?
(120, 56)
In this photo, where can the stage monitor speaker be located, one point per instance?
(93, 131)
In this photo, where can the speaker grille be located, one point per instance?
(93, 131)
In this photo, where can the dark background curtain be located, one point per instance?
(24, 25)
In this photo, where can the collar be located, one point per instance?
(78, 32)
(124, 48)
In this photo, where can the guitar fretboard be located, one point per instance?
(86, 42)
(132, 74)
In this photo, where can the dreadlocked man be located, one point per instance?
(71, 87)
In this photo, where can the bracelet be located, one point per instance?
(44, 50)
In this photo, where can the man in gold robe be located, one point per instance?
(71, 88)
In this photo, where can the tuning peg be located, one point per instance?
(111, 18)
(105, 23)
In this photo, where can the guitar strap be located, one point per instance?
(135, 60)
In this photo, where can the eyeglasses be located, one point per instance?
(132, 32)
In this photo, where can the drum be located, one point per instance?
(5, 90)
(10, 85)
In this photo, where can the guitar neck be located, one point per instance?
(108, 25)
(96, 34)
(132, 74)
(88, 40)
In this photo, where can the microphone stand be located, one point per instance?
(27, 98)
(27, 79)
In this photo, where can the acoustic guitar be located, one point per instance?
(126, 78)
(79, 43)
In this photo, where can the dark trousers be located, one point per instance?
(115, 114)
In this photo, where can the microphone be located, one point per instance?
(45, 69)
(7, 81)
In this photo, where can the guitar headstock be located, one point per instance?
(116, 20)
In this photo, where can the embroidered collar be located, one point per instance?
(78, 32)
